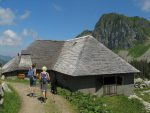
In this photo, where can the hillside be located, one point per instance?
(4, 59)
(119, 32)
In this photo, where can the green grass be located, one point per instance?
(12, 102)
(146, 96)
(17, 80)
(138, 50)
(22, 81)
(105, 104)
(121, 104)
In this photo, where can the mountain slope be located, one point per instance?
(4, 59)
(119, 31)
(126, 34)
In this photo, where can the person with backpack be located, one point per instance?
(32, 77)
(44, 76)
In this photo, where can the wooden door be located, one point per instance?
(110, 89)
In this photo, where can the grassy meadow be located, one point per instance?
(138, 50)
(104, 104)
(84, 103)
(12, 102)
(145, 96)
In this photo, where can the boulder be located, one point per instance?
(143, 85)
(1, 91)
(1, 101)
(3, 77)
(1, 95)
(147, 83)
(138, 80)
(5, 87)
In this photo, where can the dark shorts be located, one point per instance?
(32, 82)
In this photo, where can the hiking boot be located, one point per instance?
(29, 94)
(44, 100)
(33, 95)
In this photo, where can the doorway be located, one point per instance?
(110, 85)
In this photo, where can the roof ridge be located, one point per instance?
(80, 54)
(51, 40)
(86, 36)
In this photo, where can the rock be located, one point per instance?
(148, 91)
(142, 94)
(3, 77)
(1, 101)
(1, 91)
(119, 31)
(5, 87)
(134, 96)
(143, 85)
(138, 80)
(146, 104)
(1, 95)
(147, 83)
(136, 86)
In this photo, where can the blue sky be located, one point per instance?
(23, 21)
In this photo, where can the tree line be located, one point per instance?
(143, 66)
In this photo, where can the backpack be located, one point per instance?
(31, 75)
(43, 78)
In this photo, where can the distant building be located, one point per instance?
(82, 64)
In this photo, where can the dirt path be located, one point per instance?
(54, 104)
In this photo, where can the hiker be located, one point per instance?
(44, 77)
(32, 76)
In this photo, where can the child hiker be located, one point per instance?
(44, 83)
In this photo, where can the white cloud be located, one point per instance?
(30, 33)
(25, 15)
(7, 16)
(143, 4)
(10, 38)
(146, 5)
(57, 7)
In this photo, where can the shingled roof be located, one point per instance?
(45, 52)
(12, 65)
(40, 52)
(77, 57)
(87, 56)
